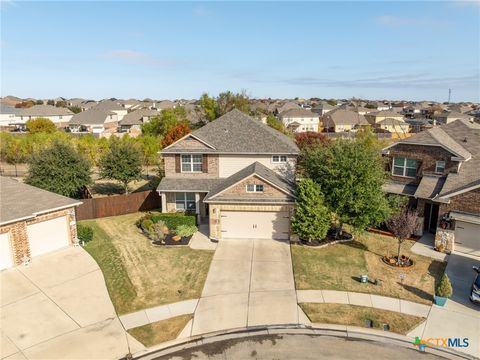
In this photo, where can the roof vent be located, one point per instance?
(465, 139)
(226, 130)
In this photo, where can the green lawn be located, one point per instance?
(160, 331)
(139, 275)
(338, 267)
(357, 315)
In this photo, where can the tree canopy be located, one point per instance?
(175, 134)
(168, 119)
(223, 103)
(40, 125)
(60, 169)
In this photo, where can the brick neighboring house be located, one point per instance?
(236, 174)
(33, 222)
(439, 170)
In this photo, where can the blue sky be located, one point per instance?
(378, 50)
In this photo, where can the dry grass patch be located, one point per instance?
(338, 267)
(357, 315)
(139, 275)
(160, 331)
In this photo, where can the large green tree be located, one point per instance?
(40, 125)
(227, 101)
(168, 119)
(60, 169)
(312, 218)
(351, 174)
(208, 105)
(121, 162)
(150, 146)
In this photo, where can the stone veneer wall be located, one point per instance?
(215, 211)
(18, 232)
(445, 240)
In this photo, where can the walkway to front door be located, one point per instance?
(250, 282)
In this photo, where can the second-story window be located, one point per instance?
(254, 188)
(279, 159)
(192, 163)
(404, 167)
(440, 167)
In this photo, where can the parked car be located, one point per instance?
(475, 295)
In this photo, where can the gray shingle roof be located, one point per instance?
(21, 201)
(91, 117)
(429, 186)
(298, 113)
(394, 187)
(390, 121)
(108, 105)
(44, 110)
(343, 117)
(236, 132)
(254, 169)
(169, 184)
(135, 117)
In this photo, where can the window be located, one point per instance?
(60, 117)
(279, 158)
(254, 188)
(185, 201)
(192, 163)
(404, 167)
(440, 167)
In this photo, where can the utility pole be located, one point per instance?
(449, 95)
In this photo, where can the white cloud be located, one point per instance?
(398, 21)
(136, 57)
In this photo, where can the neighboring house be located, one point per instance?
(163, 105)
(377, 116)
(299, 120)
(87, 105)
(60, 116)
(323, 108)
(33, 222)
(447, 117)
(94, 121)
(439, 170)
(393, 126)
(134, 119)
(235, 173)
(358, 109)
(341, 120)
(289, 105)
(111, 106)
(7, 115)
(417, 125)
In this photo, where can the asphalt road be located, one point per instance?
(296, 347)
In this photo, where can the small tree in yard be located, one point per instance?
(444, 288)
(121, 162)
(402, 224)
(59, 169)
(40, 125)
(175, 133)
(312, 218)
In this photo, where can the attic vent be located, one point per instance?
(465, 139)
(226, 130)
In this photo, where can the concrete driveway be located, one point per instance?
(250, 282)
(459, 318)
(58, 308)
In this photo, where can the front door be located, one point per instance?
(431, 217)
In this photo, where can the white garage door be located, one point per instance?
(48, 236)
(467, 238)
(255, 225)
(6, 259)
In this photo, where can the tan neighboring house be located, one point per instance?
(60, 116)
(438, 169)
(134, 120)
(94, 121)
(33, 222)
(111, 106)
(447, 117)
(341, 120)
(377, 116)
(236, 174)
(393, 126)
(299, 120)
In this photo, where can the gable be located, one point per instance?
(189, 143)
(239, 190)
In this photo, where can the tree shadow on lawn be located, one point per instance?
(361, 246)
(419, 292)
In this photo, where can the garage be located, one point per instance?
(255, 225)
(6, 258)
(49, 235)
(467, 238)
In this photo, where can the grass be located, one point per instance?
(339, 266)
(139, 275)
(356, 315)
(160, 331)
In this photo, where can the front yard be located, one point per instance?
(339, 267)
(139, 275)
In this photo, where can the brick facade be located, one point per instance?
(212, 167)
(466, 202)
(18, 232)
(427, 156)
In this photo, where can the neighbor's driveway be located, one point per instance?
(459, 318)
(250, 282)
(58, 308)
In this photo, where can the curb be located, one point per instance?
(340, 331)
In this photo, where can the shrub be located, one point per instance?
(84, 233)
(186, 230)
(157, 231)
(146, 225)
(444, 288)
(174, 220)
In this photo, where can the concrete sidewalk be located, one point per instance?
(360, 299)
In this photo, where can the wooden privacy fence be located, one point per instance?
(118, 205)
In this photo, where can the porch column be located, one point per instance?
(197, 207)
(163, 197)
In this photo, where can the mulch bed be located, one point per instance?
(392, 261)
(169, 242)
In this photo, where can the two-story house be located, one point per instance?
(439, 170)
(237, 174)
(300, 120)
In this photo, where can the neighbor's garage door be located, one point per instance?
(254, 225)
(6, 259)
(467, 238)
(48, 236)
